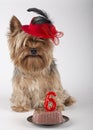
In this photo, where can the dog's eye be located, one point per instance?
(26, 45)
(43, 43)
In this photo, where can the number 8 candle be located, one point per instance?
(48, 100)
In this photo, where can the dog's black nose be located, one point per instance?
(33, 51)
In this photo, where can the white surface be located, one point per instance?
(74, 59)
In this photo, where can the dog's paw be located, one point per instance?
(20, 108)
(69, 101)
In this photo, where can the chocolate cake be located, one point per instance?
(54, 117)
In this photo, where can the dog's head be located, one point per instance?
(31, 47)
(28, 52)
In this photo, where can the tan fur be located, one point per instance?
(33, 76)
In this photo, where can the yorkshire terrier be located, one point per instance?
(35, 73)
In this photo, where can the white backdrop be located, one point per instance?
(74, 58)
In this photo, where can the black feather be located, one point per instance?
(40, 19)
(38, 11)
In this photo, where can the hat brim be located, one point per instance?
(26, 29)
(34, 32)
(45, 31)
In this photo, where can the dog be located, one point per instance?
(35, 72)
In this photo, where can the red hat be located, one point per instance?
(44, 30)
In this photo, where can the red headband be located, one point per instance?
(45, 30)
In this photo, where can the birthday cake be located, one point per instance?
(53, 117)
(49, 116)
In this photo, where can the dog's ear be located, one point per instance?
(14, 24)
